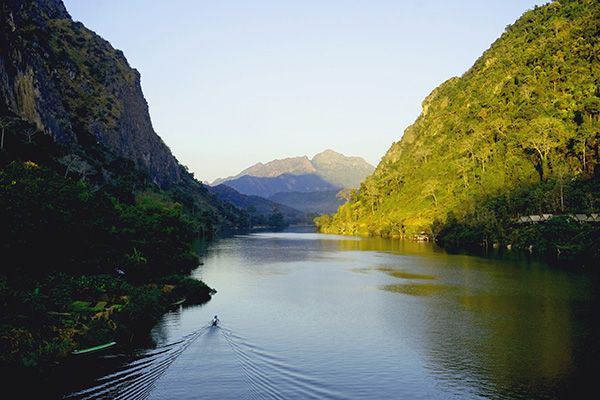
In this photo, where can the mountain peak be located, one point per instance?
(333, 167)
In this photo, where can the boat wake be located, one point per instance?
(135, 380)
(261, 375)
(270, 377)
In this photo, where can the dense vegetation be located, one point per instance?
(97, 215)
(522, 122)
(85, 261)
(562, 238)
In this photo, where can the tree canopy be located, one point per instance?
(525, 115)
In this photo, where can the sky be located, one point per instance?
(231, 83)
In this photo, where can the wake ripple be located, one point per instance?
(267, 376)
(272, 378)
(135, 381)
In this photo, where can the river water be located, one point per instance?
(312, 316)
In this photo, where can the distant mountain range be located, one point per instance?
(333, 168)
(266, 187)
(259, 207)
(309, 186)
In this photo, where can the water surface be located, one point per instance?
(311, 316)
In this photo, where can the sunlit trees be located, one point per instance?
(526, 113)
(543, 139)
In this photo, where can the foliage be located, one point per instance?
(560, 238)
(193, 290)
(67, 243)
(78, 206)
(49, 224)
(154, 239)
(525, 114)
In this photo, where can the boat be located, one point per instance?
(178, 303)
(421, 237)
(94, 349)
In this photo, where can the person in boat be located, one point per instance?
(215, 320)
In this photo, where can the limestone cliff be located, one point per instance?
(74, 86)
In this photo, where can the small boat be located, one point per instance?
(179, 302)
(215, 321)
(94, 349)
(421, 237)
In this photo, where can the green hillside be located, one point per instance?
(522, 122)
(98, 217)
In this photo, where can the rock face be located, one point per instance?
(74, 86)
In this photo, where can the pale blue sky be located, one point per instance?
(233, 83)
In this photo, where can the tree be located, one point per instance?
(372, 192)
(592, 108)
(346, 194)
(462, 164)
(542, 141)
(561, 172)
(29, 134)
(5, 123)
(429, 189)
(84, 169)
(69, 161)
(396, 177)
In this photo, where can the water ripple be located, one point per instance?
(136, 380)
(267, 376)
(271, 377)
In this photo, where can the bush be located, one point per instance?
(195, 291)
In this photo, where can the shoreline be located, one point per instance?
(32, 346)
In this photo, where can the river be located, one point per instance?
(311, 316)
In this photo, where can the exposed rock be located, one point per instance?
(74, 86)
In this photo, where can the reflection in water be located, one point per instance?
(316, 316)
(418, 289)
(405, 275)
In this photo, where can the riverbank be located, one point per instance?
(561, 240)
(43, 324)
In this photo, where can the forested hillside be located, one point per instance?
(517, 134)
(97, 217)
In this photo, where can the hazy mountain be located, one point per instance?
(334, 168)
(341, 171)
(325, 202)
(266, 187)
(258, 206)
(292, 165)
